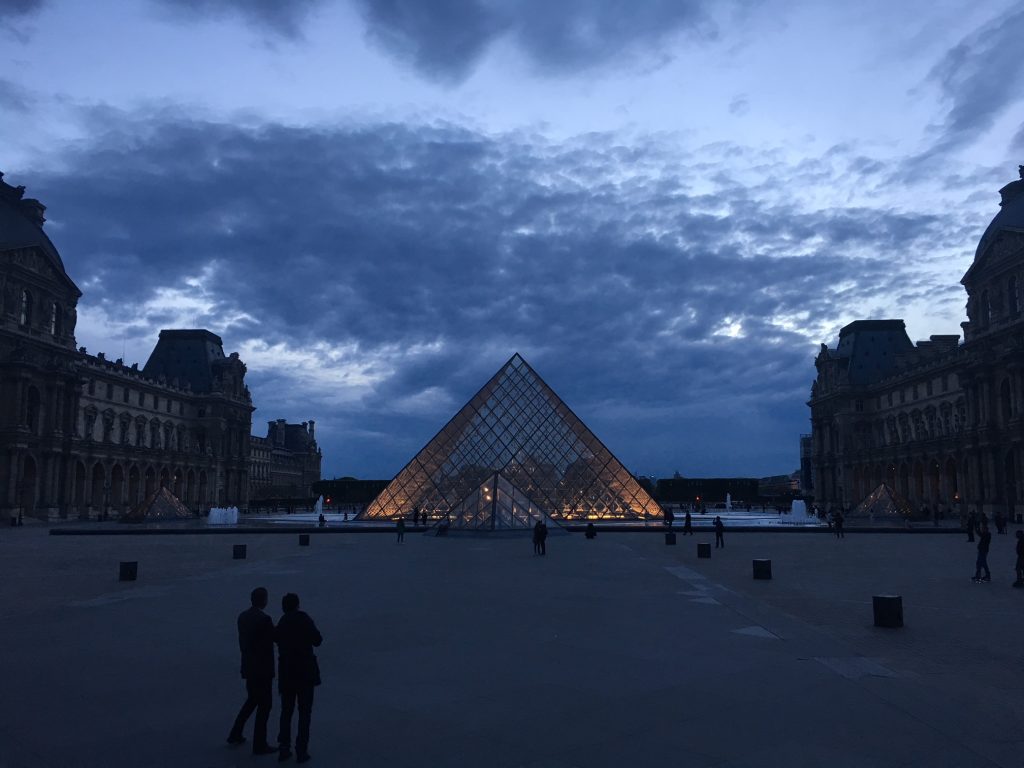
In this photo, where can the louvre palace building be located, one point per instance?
(82, 436)
(940, 421)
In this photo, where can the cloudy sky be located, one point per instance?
(664, 205)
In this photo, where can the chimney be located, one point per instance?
(312, 430)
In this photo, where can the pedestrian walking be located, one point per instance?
(688, 524)
(256, 643)
(298, 673)
(543, 537)
(981, 564)
(1020, 560)
(719, 533)
(837, 525)
(400, 529)
(536, 537)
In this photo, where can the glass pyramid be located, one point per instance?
(519, 443)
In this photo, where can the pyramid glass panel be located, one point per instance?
(517, 438)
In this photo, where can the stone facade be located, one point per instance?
(939, 421)
(85, 437)
(286, 462)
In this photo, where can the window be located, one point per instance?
(859, 406)
(915, 392)
(181, 409)
(945, 383)
(92, 386)
(126, 394)
(26, 309)
(55, 320)
(156, 403)
(929, 387)
(169, 404)
(890, 399)
(140, 435)
(110, 391)
(903, 395)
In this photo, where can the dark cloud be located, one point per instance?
(14, 14)
(445, 38)
(283, 18)
(980, 78)
(374, 276)
(15, 8)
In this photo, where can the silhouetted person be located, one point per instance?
(688, 524)
(1000, 520)
(536, 537)
(719, 533)
(981, 564)
(297, 674)
(322, 521)
(837, 524)
(256, 642)
(424, 517)
(400, 529)
(543, 537)
(972, 523)
(1020, 560)
(670, 517)
(591, 531)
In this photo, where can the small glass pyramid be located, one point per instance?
(517, 442)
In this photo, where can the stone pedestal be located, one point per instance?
(762, 569)
(888, 610)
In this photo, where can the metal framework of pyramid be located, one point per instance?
(883, 502)
(513, 454)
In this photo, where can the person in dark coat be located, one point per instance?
(536, 537)
(688, 524)
(1020, 560)
(837, 523)
(984, 540)
(256, 642)
(297, 674)
(400, 529)
(719, 533)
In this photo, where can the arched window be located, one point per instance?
(55, 321)
(26, 308)
(1011, 297)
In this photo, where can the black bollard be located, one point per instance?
(238, 552)
(888, 610)
(703, 550)
(670, 539)
(129, 570)
(762, 569)
(303, 539)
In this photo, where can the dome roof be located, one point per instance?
(1011, 213)
(21, 223)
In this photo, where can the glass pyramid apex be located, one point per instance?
(518, 428)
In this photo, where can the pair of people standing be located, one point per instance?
(540, 537)
(298, 673)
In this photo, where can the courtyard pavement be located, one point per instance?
(456, 651)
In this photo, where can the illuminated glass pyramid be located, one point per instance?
(513, 454)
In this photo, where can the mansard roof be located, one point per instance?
(186, 355)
